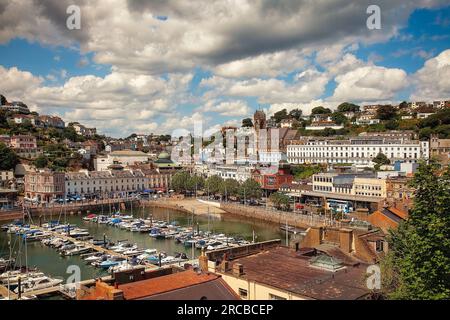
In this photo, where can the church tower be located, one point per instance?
(260, 124)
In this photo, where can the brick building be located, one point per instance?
(272, 181)
(23, 142)
(44, 186)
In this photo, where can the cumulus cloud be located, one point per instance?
(238, 108)
(129, 34)
(271, 64)
(307, 85)
(129, 99)
(283, 53)
(433, 80)
(15, 82)
(369, 83)
(306, 107)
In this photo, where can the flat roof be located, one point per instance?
(281, 268)
(342, 196)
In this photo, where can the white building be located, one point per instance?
(423, 115)
(359, 151)
(239, 173)
(274, 157)
(122, 157)
(104, 182)
(324, 126)
(84, 131)
(366, 118)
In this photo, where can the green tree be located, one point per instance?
(339, 117)
(280, 200)
(41, 162)
(391, 124)
(247, 122)
(250, 189)
(380, 160)
(440, 118)
(403, 105)
(320, 110)
(280, 115)
(195, 183)
(213, 184)
(386, 112)
(8, 158)
(3, 120)
(296, 114)
(229, 187)
(418, 263)
(443, 131)
(179, 180)
(2, 100)
(348, 107)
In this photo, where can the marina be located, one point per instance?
(101, 243)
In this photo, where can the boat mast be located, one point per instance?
(10, 257)
(208, 220)
(26, 255)
(131, 204)
(287, 234)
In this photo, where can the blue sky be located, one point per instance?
(181, 76)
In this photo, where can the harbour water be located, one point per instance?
(49, 261)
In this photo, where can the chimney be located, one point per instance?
(345, 240)
(203, 261)
(238, 269)
(224, 266)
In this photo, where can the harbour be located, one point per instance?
(52, 263)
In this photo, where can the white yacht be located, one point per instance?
(38, 284)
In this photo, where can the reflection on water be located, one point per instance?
(50, 262)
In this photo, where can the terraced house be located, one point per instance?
(357, 150)
(104, 182)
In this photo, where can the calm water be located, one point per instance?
(50, 262)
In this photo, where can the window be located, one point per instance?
(275, 297)
(379, 246)
(243, 293)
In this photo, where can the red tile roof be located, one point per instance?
(179, 280)
(399, 213)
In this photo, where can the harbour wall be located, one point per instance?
(10, 215)
(82, 208)
(274, 216)
(250, 212)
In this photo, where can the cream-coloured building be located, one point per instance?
(6, 175)
(101, 182)
(349, 184)
(371, 187)
(120, 157)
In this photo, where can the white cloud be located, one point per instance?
(433, 80)
(127, 100)
(127, 34)
(307, 85)
(15, 82)
(271, 64)
(306, 107)
(251, 49)
(238, 108)
(369, 83)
